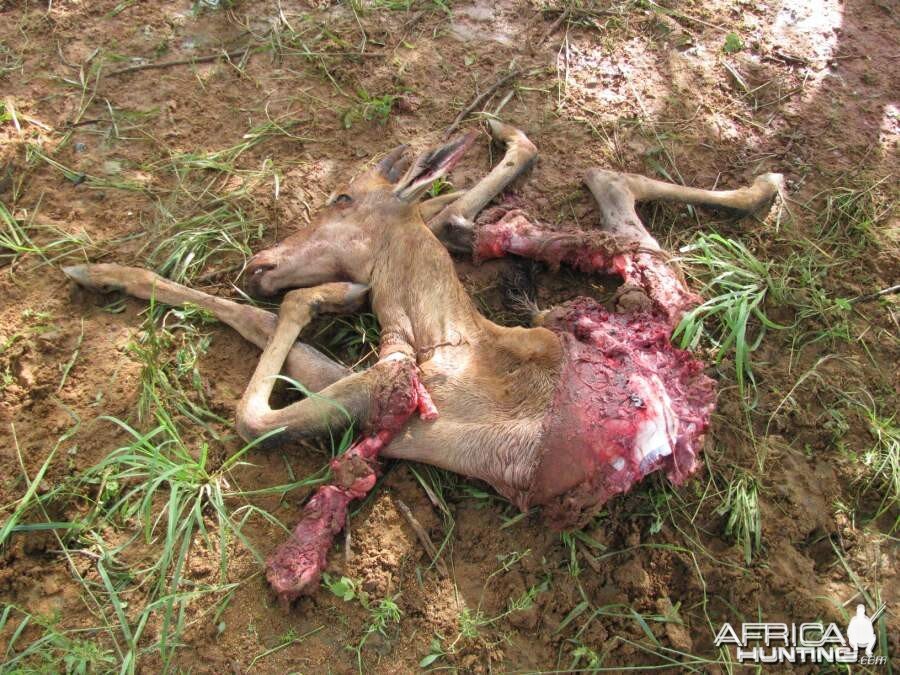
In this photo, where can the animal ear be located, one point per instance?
(393, 164)
(430, 166)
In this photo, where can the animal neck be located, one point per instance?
(416, 294)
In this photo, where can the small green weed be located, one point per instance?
(732, 44)
(355, 338)
(440, 186)
(382, 614)
(369, 108)
(472, 620)
(54, 651)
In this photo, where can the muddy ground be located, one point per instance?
(232, 154)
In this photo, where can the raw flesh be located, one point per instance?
(644, 271)
(294, 568)
(628, 402)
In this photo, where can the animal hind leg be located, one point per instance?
(648, 275)
(304, 363)
(622, 245)
(649, 281)
(616, 194)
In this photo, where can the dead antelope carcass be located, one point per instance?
(563, 414)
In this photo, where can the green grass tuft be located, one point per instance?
(882, 460)
(54, 647)
(853, 216)
(741, 506)
(18, 239)
(190, 244)
(172, 495)
(733, 318)
(168, 349)
(368, 108)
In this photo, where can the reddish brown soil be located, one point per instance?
(646, 92)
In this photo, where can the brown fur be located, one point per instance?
(492, 385)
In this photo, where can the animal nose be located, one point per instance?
(256, 267)
(256, 270)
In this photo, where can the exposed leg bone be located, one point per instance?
(520, 155)
(304, 363)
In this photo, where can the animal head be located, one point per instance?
(343, 239)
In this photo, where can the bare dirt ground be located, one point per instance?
(188, 168)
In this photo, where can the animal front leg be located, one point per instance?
(304, 363)
(337, 405)
(382, 398)
(454, 224)
(295, 567)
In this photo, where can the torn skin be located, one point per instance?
(628, 402)
(296, 566)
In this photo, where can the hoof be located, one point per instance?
(768, 185)
(80, 274)
(104, 278)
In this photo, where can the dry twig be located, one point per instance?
(481, 99)
(890, 290)
(424, 539)
(182, 62)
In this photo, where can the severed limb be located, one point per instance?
(382, 398)
(622, 245)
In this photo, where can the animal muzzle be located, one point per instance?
(257, 274)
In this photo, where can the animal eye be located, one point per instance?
(342, 199)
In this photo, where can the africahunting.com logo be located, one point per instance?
(805, 642)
